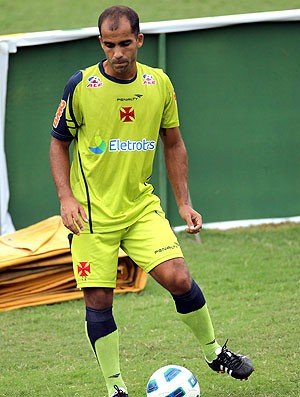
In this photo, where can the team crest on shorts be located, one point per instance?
(84, 269)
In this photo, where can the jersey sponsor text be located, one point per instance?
(116, 145)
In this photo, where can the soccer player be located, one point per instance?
(114, 113)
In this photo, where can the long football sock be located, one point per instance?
(192, 310)
(103, 335)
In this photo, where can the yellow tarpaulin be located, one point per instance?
(36, 267)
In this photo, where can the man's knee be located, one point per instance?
(173, 275)
(182, 283)
(98, 298)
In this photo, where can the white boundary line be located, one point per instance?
(241, 223)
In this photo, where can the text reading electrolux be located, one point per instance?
(116, 145)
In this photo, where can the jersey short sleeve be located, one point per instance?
(170, 115)
(67, 120)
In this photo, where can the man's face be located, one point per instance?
(120, 46)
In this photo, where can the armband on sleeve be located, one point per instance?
(61, 128)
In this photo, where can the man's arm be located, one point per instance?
(177, 169)
(72, 212)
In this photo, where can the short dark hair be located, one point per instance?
(114, 13)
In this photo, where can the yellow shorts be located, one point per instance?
(148, 242)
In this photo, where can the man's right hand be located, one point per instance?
(72, 214)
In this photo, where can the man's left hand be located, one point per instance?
(192, 218)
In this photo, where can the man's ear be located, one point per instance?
(140, 40)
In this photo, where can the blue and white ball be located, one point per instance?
(173, 381)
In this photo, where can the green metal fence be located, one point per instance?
(238, 96)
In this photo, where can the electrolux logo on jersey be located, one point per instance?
(116, 145)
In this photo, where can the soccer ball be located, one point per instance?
(173, 381)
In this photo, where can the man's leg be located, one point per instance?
(189, 301)
(96, 276)
(103, 335)
(192, 309)
(151, 244)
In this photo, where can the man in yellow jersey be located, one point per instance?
(114, 113)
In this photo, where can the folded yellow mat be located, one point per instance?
(36, 267)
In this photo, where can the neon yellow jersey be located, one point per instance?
(115, 127)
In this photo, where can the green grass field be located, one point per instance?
(251, 280)
(39, 15)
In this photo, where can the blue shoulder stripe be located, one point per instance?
(61, 126)
(70, 87)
